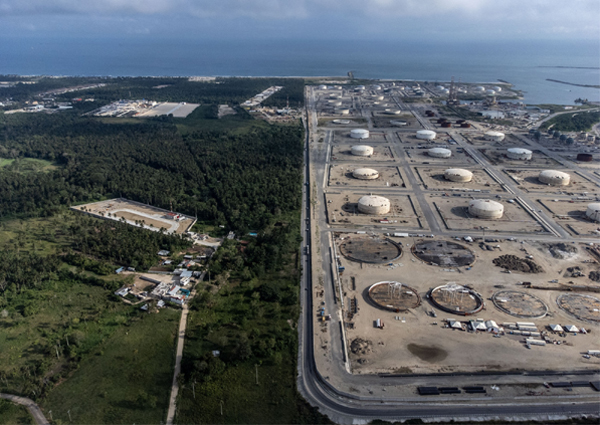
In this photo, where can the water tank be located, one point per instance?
(519, 153)
(359, 133)
(446, 124)
(392, 111)
(486, 208)
(376, 205)
(439, 152)
(554, 178)
(494, 136)
(585, 157)
(365, 174)
(593, 212)
(426, 134)
(362, 150)
(458, 175)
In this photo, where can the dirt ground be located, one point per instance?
(414, 341)
(341, 175)
(529, 182)
(571, 216)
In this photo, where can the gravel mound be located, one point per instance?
(562, 250)
(595, 275)
(512, 262)
(360, 346)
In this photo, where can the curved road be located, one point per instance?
(31, 406)
(346, 408)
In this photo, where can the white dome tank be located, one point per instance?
(439, 153)
(342, 111)
(593, 212)
(519, 153)
(494, 136)
(359, 133)
(485, 208)
(392, 111)
(362, 150)
(490, 92)
(376, 205)
(458, 175)
(322, 87)
(497, 89)
(554, 178)
(426, 134)
(365, 174)
(479, 89)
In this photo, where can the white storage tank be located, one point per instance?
(365, 174)
(392, 111)
(593, 212)
(519, 154)
(439, 152)
(426, 134)
(479, 89)
(362, 150)
(359, 133)
(458, 175)
(554, 178)
(376, 205)
(486, 208)
(490, 92)
(494, 136)
(322, 87)
(497, 89)
(342, 111)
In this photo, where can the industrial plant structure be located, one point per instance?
(362, 150)
(458, 175)
(486, 208)
(554, 178)
(375, 205)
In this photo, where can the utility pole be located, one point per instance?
(221, 403)
(256, 367)
(69, 413)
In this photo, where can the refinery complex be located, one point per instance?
(450, 241)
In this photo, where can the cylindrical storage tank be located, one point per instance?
(479, 89)
(460, 121)
(554, 178)
(376, 205)
(497, 89)
(439, 153)
(362, 150)
(494, 136)
(322, 87)
(359, 133)
(441, 120)
(486, 208)
(593, 212)
(465, 125)
(519, 154)
(342, 111)
(376, 87)
(458, 175)
(360, 88)
(392, 111)
(490, 92)
(365, 174)
(584, 157)
(426, 134)
(446, 124)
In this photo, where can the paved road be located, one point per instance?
(178, 356)
(31, 406)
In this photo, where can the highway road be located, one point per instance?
(347, 408)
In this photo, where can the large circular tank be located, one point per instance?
(365, 174)
(362, 150)
(359, 133)
(322, 87)
(426, 134)
(458, 175)
(479, 89)
(490, 92)
(494, 136)
(519, 153)
(485, 208)
(593, 211)
(585, 157)
(392, 111)
(554, 178)
(376, 205)
(439, 153)
(497, 89)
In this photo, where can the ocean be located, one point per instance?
(527, 65)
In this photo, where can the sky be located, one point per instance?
(447, 20)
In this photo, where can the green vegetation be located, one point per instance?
(576, 121)
(27, 165)
(11, 413)
(127, 380)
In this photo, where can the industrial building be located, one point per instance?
(486, 208)
(554, 178)
(375, 205)
(458, 175)
(362, 150)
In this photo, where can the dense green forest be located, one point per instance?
(577, 121)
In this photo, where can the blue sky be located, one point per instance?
(312, 19)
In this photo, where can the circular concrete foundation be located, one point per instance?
(582, 307)
(394, 296)
(456, 299)
(370, 250)
(520, 304)
(443, 253)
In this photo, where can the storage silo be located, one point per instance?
(486, 208)
(554, 178)
(359, 133)
(494, 136)
(458, 175)
(365, 174)
(362, 150)
(439, 153)
(519, 154)
(593, 211)
(426, 134)
(375, 205)
(585, 157)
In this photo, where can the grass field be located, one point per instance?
(27, 165)
(127, 380)
(11, 413)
